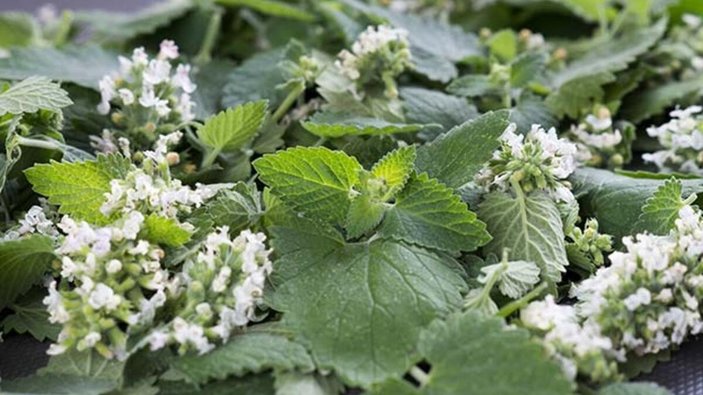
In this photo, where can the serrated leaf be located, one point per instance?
(113, 26)
(472, 354)
(31, 317)
(210, 79)
(238, 207)
(233, 128)
(531, 110)
(529, 227)
(84, 65)
(359, 307)
(259, 77)
(332, 125)
(660, 212)
(78, 188)
(472, 85)
(165, 231)
(633, 389)
(429, 214)
(432, 66)
(33, 94)
(23, 263)
(526, 68)
(653, 101)
(616, 200)
(455, 157)
(425, 106)
(57, 385)
(271, 7)
(247, 353)
(516, 277)
(314, 181)
(365, 213)
(394, 169)
(582, 80)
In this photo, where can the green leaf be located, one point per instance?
(233, 128)
(633, 389)
(31, 317)
(210, 78)
(425, 106)
(582, 79)
(247, 353)
(456, 156)
(359, 307)
(78, 188)
(292, 383)
(526, 68)
(165, 231)
(314, 181)
(17, 29)
(33, 94)
(578, 94)
(531, 110)
(429, 214)
(23, 262)
(238, 208)
(72, 372)
(394, 169)
(529, 227)
(113, 27)
(261, 384)
(472, 354)
(616, 200)
(503, 45)
(271, 7)
(432, 66)
(259, 77)
(472, 85)
(590, 10)
(365, 213)
(84, 65)
(333, 125)
(660, 212)
(653, 101)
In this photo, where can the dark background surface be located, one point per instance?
(21, 355)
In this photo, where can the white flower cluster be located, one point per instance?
(221, 288)
(35, 221)
(106, 275)
(379, 54)
(151, 189)
(148, 93)
(539, 160)
(682, 138)
(646, 301)
(577, 346)
(597, 140)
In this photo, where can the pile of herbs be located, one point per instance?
(345, 196)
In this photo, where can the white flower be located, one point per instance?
(185, 107)
(107, 93)
(157, 71)
(168, 50)
(104, 297)
(54, 304)
(113, 266)
(104, 143)
(182, 79)
(641, 297)
(91, 339)
(126, 95)
(157, 340)
(682, 139)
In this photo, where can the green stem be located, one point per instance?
(27, 142)
(321, 141)
(213, 28)
(419, 375)
(516, 305)
(64, 28)
(210, 158)
(287, 102)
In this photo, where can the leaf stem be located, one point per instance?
(513, 306)
(210, 158)
(419, 375)
(27, 142)
(213, 28)
(287, 102)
